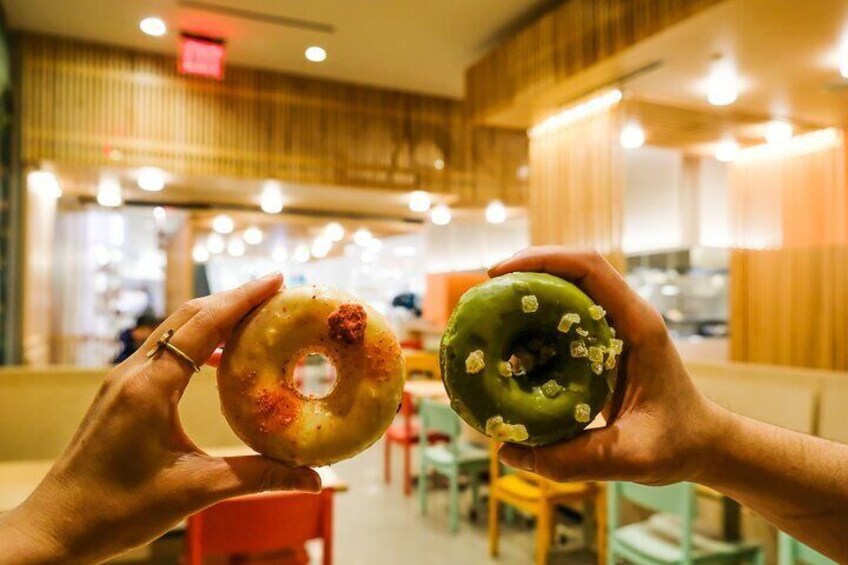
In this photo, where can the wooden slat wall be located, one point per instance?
(789, 300)
(568, 39)
(83, 102)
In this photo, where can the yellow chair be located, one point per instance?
(535, 496)
(418, 361)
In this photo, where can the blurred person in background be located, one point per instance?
(132, 338)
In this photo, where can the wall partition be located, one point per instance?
(789, 265)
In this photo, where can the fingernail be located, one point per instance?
(308, 482)
(518, 457)
(271, 276)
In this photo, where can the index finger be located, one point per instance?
(591, 272)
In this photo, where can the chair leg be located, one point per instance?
(422, 486)
(407, 469)
(387, 461)
(759, 558)
(475, 491)
(601, 525)
(543, 534)
(454, 501)
(494, 524)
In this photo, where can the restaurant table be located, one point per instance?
(19, 478)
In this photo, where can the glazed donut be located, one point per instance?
(261, 402)
(528, 358)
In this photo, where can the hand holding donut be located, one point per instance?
(656, 432)
(130, 472)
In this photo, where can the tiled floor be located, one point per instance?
(376, 525)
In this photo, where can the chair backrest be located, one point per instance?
(438, 417)
(792, 551)
(259, 524)
(677, 499)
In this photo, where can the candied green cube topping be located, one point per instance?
(574, 386)
(551, 389)
(616, 346)
(505, 369)
(582, 413)
(596, 312)
(610, 362)
(475, 362)
(529, 303)
(597, 368)
(567, 321)
(596, 354)
(498, 429)
(578, 349)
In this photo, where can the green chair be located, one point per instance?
(668, 536)
(791, 551)
(452, 459)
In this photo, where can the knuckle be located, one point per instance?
(191, 307)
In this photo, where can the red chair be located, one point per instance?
(273, 523)
(405, 433)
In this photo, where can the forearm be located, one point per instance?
(797, 482)
(23, 541)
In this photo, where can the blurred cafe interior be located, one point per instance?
(154, 151)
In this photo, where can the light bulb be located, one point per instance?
(778, 131)
(223, 224)
(495, 212)
(151, 179)
(419, 201)
(109, 192)
(301, 253)
(439, 164)
(153, 26)
(215, 243)
(271, 199)
(236, 247)
(334, 231)
(726, 151)
(253, 235)
(723, 86)
(45, 183)
(315, 54)
(440, 215)
(632, 136)
(200, 254)
(361, 237)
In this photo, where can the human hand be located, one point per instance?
(130, 473)
(659, 424)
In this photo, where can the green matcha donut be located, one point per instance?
(528, 358)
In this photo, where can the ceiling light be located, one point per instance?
(153, 26)
(109, 192)
(778, 131)
(361, 237)
(236, 247)
(301, 253)
(495, 212)
(632, 136)
(271, 199)
(440, 215)
(321, 247)
(315, 54)
(577, 112)
(439, 164)
(723, 86)
(215, 243)
(223, 224)
(280, 255)
(726, 151)
(334, 231)
(159, 214)
(200, 254)
(151, 179)
(45, 183)
(253, 235)
(419, 201)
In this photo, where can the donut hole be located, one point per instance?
(314, 376)
(532, 356)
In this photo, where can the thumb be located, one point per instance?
(226, 477)
(589, 456)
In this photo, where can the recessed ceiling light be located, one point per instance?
(109, 192)
(334, 231)
(159, 214)
(200, 254)
(223, 224)
(253, 235)
(315, 54)
(726, 151)
(151, 179)
(301, 253)
(723, 87)
(495, 212)
(271, 199)
(632, 136)
(215, 243)
(439, 164)
(440, 215)
(235, 247)
(361, 237)
(419, 201)
(778, 131)
(45, 183)
(153, 26)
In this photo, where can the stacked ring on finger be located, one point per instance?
(528, 358)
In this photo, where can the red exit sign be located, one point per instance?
(201, 56)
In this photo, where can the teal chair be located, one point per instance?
(791, 551)
(669, 535)
(452, 459)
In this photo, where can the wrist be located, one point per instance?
(714, 436)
